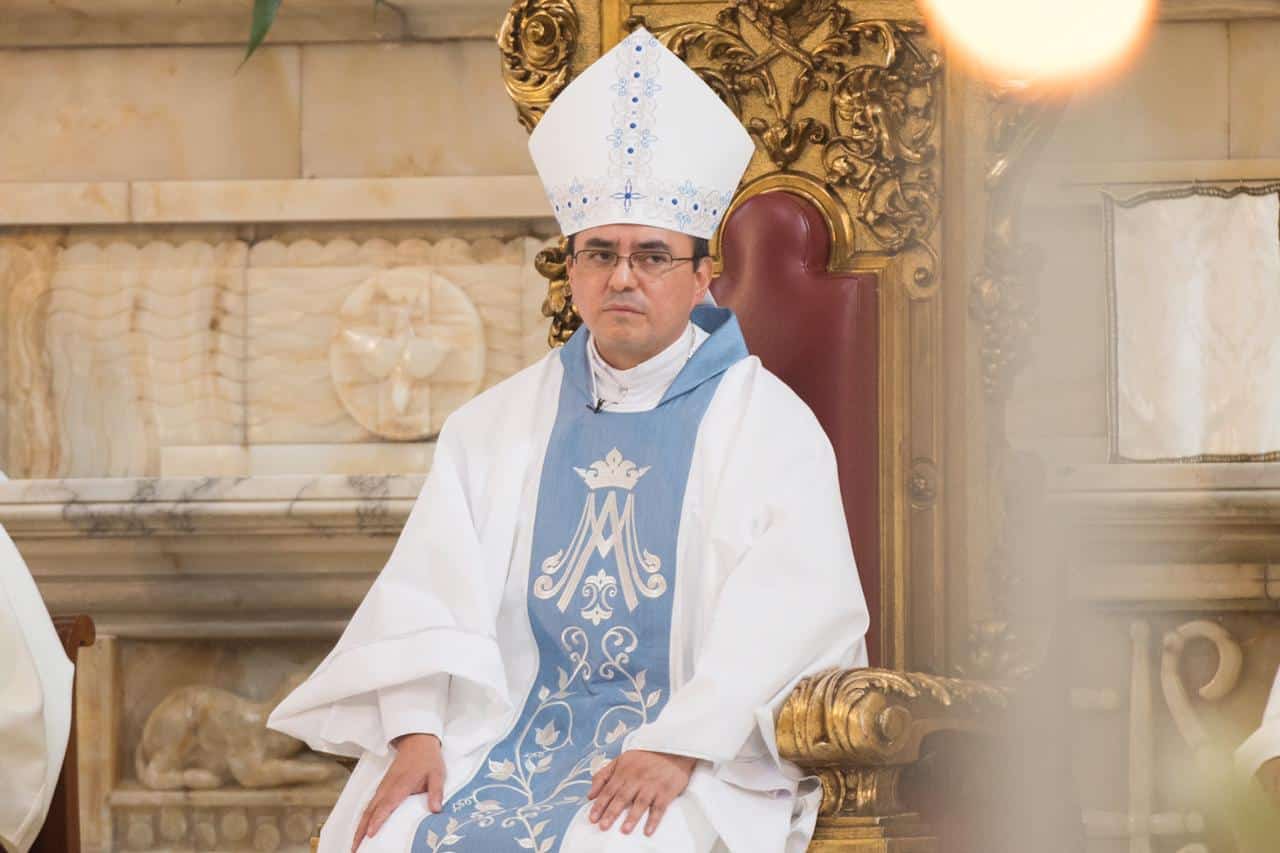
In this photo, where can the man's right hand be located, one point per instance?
(418, 768)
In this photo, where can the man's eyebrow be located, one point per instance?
(654, 244)
(600, 243)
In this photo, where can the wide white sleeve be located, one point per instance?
(1264, 744)
(416, 707)
(35, 703)
(791, 606)
(431, 611)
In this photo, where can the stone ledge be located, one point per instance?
(244, 557)
(300, 200)
(84, 23)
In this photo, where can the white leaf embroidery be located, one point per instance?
(653, 699)
(526, 843)
(640, 679)
(618, 731)
(500, 771)
(537, 830)
(546, 845)
(631, 695)
(547, 735)
(433, 840)
(543, 693)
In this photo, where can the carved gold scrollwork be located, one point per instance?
(1002, 299)
(552, 264)
(537, 40)
(856, 729)
(878, 121)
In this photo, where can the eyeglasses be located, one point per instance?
(647, 264)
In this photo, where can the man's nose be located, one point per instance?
(622, 277)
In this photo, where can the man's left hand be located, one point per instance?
(638, 781)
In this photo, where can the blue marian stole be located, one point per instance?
(599, 600)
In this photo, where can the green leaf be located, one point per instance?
(264, 14)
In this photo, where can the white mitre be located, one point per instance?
(639, 138)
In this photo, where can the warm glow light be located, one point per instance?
(1045, 40)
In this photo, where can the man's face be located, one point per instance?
(635, 311)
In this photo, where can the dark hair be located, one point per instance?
(701, 248)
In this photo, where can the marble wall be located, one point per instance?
(257, 358)
(1194, 106)
(237, 302)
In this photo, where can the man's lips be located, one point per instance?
(623, 309)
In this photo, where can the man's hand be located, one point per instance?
(418, 768)
(638, 781)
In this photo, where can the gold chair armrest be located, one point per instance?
(858, 729)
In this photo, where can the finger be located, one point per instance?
(656, 811)
(435, 790)
(602, 802)
(380, 815)
(620, 801)
(639, 806)
(599, 780)
(606, 793)
(363, 826)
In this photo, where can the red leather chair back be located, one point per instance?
(817, 331)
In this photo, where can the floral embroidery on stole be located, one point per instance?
(608, 512)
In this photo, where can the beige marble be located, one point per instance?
(1255, 77)
(296, 459)
(353, 96)
(339, 199)
(204, 738)
(30, 23)
(156, 113)
(407, 351)
(143, 346)
(296, 294)
(193, 358)
(59, 203)
(1172, 103)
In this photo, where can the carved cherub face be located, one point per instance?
(635, 311)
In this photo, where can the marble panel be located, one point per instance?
(401, 457)
(59, 202)
(1171, 104)
(340, 199)
(1255, 77)
(145, 349)
(114, 22)
(378, 110)
(155, 113)
(297, 294)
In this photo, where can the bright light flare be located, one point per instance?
(1048, 41)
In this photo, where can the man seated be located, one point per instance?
(35, 703)
(624, 557)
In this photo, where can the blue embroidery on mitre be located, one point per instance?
(631, 192)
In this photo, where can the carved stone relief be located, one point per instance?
(122, 358)
(204, 738)
(408, 350)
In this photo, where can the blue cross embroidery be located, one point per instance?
(627, 196)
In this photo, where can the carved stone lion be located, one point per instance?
(205, 737)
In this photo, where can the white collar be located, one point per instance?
(640, 388)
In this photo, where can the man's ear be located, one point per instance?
(702, 274)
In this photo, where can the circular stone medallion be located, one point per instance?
(408, 349)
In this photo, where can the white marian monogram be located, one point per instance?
(605, 530)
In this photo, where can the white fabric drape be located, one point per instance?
(769, 593)
(1195, 288)
(35, 703)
